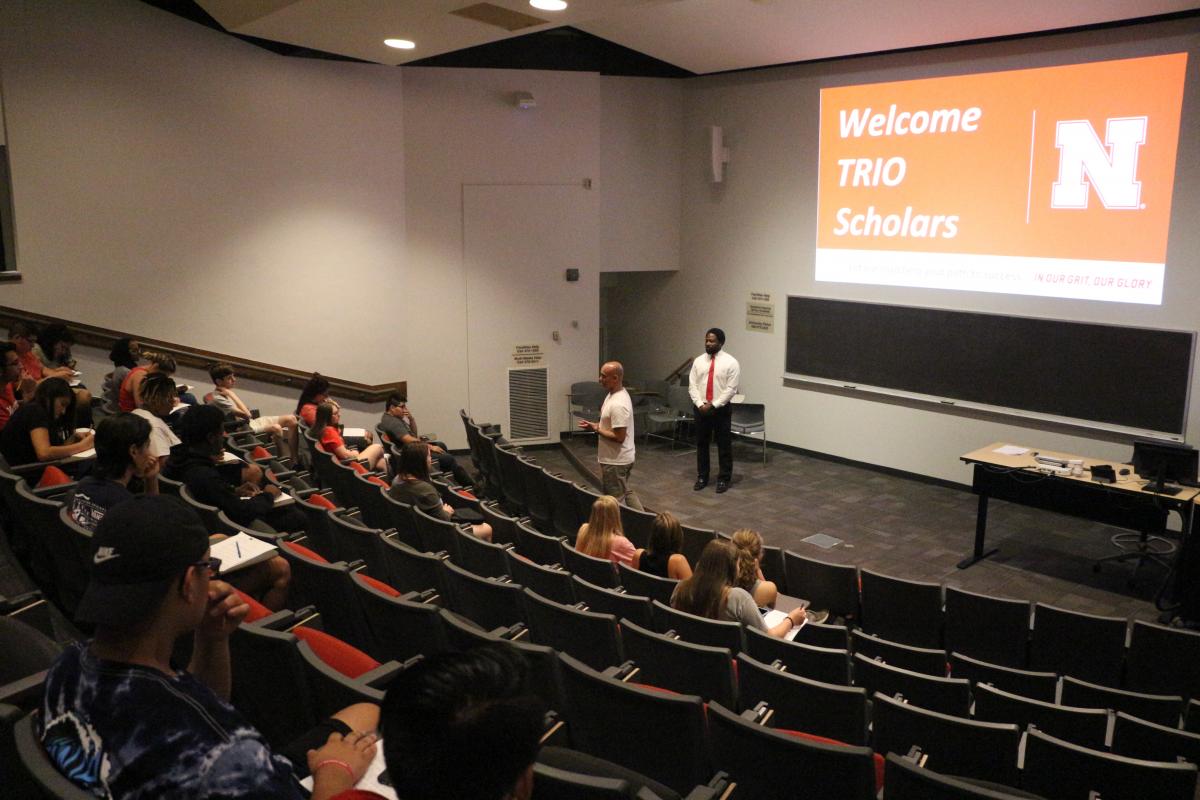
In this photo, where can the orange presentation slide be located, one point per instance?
(1053, 181)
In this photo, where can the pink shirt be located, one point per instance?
(621, 551)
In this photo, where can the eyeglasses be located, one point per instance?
(213, 564)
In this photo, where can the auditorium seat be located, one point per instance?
(1163, 709)
(484, 559)
(767, 763)
(327, 586)
(831, 587)
(599, 571)
(400, 626)
(905, 780)
(694, 542)
(945, 695)
(836, 637)
(537, 493)
(411, 570)
(917, 659)
(1163, 660)
(643, 583)
(554, 583)
(1083, 726)
(637, 525)
(564, 507)
(538, 546)
(354, 540)
(801, 703)
(437, 535)
(825, 664)
(671, 663)
(1138, 738)
(503, 525)
(1061, 770)
(991, 629)
(590, 637)
(1035, 685)
(660, 734)
(902, 611)
(701, 630)
(614, 601)
(954, 745)
(585, 498)
(488, 602)
(1086, 646)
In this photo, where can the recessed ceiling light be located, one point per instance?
(549, 5)
(399, 44)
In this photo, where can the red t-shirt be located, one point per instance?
(31, 365)
(331, 440)
(125, 398)
(8, 403)
(308, 413)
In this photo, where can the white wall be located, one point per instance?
(756, 232)
(179, 184)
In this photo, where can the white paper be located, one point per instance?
(775, 616)
(354, 433)
(1011, 450)
(370, 779)
(242, 550)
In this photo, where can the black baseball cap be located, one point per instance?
(138, 549)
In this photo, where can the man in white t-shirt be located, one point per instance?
(614, 431)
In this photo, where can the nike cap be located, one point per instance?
(139, 548)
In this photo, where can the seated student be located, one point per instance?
(325, 430)
(158, 399)
(315, 392)
(122, 454)
(194, 463)
(129, 396)
(54, 347)
(711, 592)
(602, 535)
(124, 356)
(663, 554)
(398, 423)
(468, 725)
(121, 722)
(412, 486)
(43, 429)
(24, 338)
(224, 398)
(12, 386)
(749, 545)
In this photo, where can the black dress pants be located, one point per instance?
(707, 425)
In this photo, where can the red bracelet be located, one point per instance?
(337, 762)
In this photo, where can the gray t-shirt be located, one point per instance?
(739, 607)
(395, 427)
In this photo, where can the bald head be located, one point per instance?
(612, 376)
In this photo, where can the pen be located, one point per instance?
(238, 545)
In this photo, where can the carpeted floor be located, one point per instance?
(889, 524)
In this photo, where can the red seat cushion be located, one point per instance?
(358, 467)
(379, 585)
(466, 494)
(378, 480)
(257, 609)
(348, 660)
(879, 760)
(304, 551)
(53, 476)
(260, 452)
(319, 500)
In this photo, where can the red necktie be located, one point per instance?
(712, 366)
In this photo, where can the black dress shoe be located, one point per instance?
(722, 486)
(699, 484)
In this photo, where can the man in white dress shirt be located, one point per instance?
(614, 431)
(712, 384)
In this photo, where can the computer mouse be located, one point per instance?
(1123, 472)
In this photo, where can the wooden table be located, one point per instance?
(1015, 478)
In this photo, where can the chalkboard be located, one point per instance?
(1111, 374)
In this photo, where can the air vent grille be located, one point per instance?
(528, 411)
(500, 17)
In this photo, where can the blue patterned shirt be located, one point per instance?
(127, 732)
